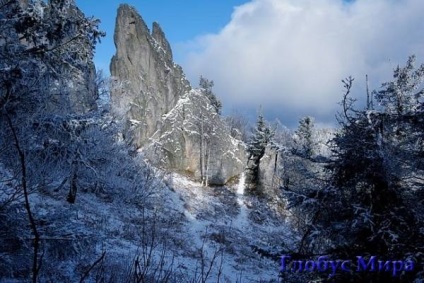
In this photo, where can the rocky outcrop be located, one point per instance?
(263, 174)
(175, 127)
(152, 83)
(196, 142)
(159, 36)
(269, 174)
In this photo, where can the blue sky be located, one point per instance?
(181, 20)
(288, 56)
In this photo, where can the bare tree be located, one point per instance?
(238, 125)
(32, 56)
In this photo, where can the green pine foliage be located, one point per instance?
(262, 136)
(206, 87)
(305, 140)
(370, 202)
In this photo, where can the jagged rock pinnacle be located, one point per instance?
(160, 38)
(176, 128)
(153, 83)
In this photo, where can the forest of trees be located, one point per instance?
(366, 200)
(49, 143)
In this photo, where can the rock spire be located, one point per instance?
(174, 126)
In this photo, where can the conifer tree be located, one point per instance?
(305, 137)
(369, 204)
(262, 136)
(206, 87)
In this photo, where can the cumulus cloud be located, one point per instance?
(290, 55)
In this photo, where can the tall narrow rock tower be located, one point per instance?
(151, 82)
(175, 127)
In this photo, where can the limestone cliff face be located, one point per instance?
(269, 172)
(174, 126)
(143, 65)
(195, 141)
(262, 174)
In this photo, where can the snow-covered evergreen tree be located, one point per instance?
(305, 140)
(206, 87)
(368, 205)
(261, 137)
(403, 95)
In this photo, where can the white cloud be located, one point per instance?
(290, 55)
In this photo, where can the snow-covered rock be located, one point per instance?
(177, 128)
(195, 141)
(150, 83)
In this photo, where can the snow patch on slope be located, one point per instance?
(221, 217)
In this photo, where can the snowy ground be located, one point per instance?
(183, 223)
(224, 216)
